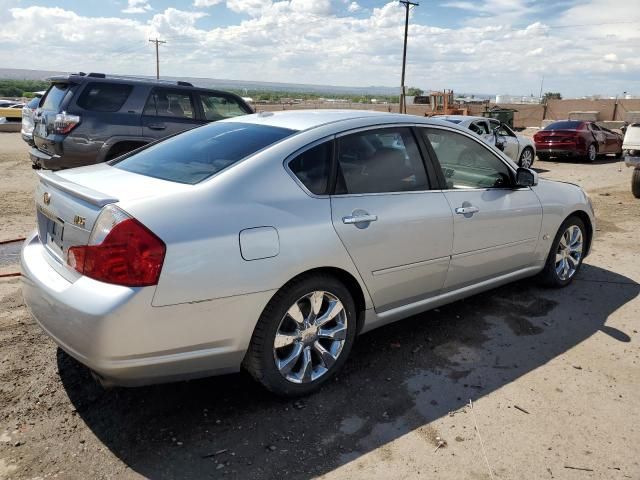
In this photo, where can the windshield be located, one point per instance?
(563, 126)
(202, 152)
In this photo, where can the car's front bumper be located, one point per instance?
(116, 332)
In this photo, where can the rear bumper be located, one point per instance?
(116, 332)
(40, 159)
(558, 151)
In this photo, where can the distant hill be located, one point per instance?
(23, 74)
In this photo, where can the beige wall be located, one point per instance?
(526, 115)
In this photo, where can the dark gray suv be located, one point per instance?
(85, 119)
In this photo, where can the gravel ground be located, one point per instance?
(554, 376)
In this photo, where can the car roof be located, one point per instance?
(99, 77)
(462, 118)
(306, 119)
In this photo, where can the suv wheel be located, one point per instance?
(303, 336)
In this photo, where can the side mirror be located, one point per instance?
(525, 177)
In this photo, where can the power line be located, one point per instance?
(157, 42)
(407, 5)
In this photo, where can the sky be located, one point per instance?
(579, 47)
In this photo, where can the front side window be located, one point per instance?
(379, 161)
(466, 163)
(104, 97)
(312, 167)
(197, 154)
(480, 128)
(217, 107)
(169, 103)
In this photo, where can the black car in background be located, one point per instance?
(84, 119)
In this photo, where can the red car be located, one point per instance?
(576, 138)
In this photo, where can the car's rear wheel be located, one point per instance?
(592, 153)
(304, 335)
(635, 183)
(526, 158)
(566, 255)
(543, 157)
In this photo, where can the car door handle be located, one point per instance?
(467, 210)
(157, 126)
(353, 219)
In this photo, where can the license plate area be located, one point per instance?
(41, 129)
(52, 231)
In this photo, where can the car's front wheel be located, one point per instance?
(566, 255)
(304, 335)
(635, 182)
(526, 158)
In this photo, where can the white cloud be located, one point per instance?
(206, 3)
(354, 7)
(300, 41)
(137, 6)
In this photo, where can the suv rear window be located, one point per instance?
(104, 97)
(197, 154)
(563, 125)
(54, 96)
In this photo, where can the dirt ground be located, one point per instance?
(554, 377)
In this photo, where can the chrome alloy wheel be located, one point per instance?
(592, 153)
(569, 253)
(310, 337)
(526, 159)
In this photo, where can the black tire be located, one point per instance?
(591, 156)
(533, 156)
(543, 157)
(635, 183)
(549, 277)
(259, 360)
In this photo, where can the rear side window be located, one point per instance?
(104, 97)
(312, 167)
(563, 126)
(217, 107)
(54, 96)
(202, 152)
(169, 103)
(379, 161)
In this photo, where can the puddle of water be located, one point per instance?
(10, 254)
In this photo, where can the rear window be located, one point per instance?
(33, 103)
(563, 126)
(197, 154)
(104, 97)
(54, 96)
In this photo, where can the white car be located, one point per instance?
(519, 148)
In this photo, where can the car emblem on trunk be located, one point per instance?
(78, 220)
(47, 198)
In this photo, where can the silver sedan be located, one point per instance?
(270, 241)
(519, 148)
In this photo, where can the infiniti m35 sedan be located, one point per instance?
(270, 241)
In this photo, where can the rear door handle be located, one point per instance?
(157, 126)
(467, 210)
(353, 219)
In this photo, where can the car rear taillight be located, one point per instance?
(121, 251)
(64, 122)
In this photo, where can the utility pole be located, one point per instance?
(407, 5)
(157, 42)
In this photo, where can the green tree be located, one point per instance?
(551, 96)
(414, 91)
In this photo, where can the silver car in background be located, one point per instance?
(269, 241)
(520, 149)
